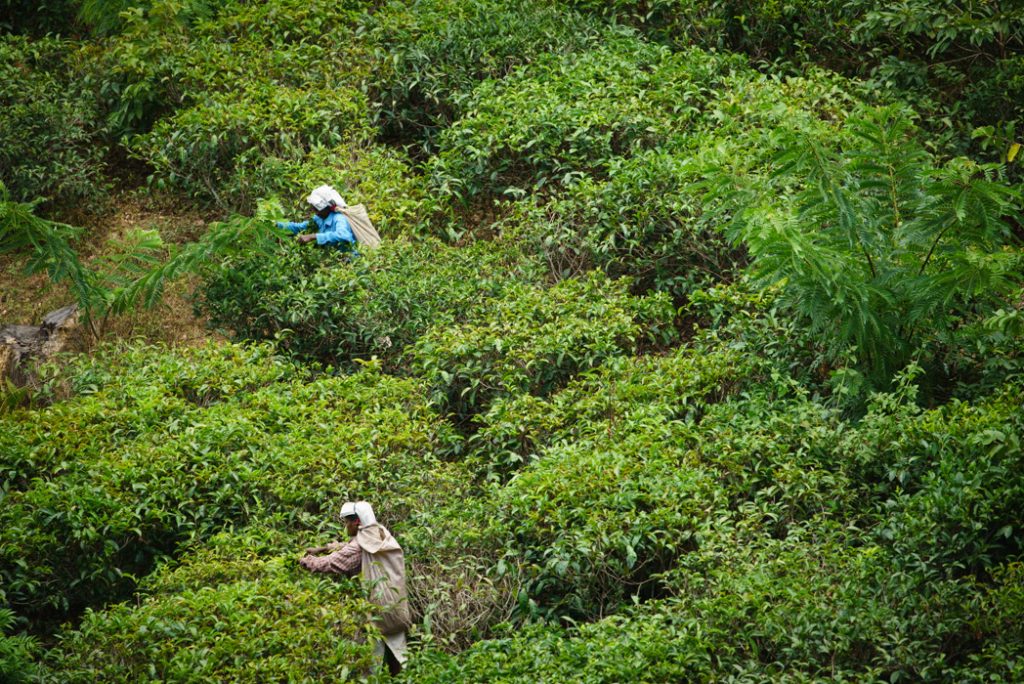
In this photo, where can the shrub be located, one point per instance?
(647, 214)
(204, 452)
(578, 125)
(556, 119)
(762, 30)
(118, 395)
(324, 308)
(380, 177)
(231, 612)
(955, 63)
(945, 478)
(611, 650)
(532, 340)
(107, 16)
(821, 602)
(595, 524)
(50, 126)
(204, 150)
(430, 54)
(170, 82)
(167, 58)
(630, 467)
(458, 592)
(956, 58)
(644, 221)
(620, 395)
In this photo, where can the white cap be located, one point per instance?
(348, 508)
(322, 197)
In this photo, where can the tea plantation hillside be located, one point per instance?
(693, 350)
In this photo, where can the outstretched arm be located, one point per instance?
(293, 226)
(330, 547)
(344, 561)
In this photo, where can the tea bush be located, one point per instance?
(614, 445)
(644, 221)
(648, 214)
(430, 54)
(557, 119)
(221, 453)
(613, 147)
(959, 63)
(771, 610)
(620, 395)
(121, 395)
(171, 85)
(324, 308)
(532, 340)
(955, 63)
(51, 129)
(777, 541)
(104, 17)
(763, 30)
(599, 519)
(232, 611)
(204, 150)
(166, 58)
(945, 477)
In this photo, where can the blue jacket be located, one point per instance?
(333, 230)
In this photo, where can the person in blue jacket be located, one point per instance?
(332, 226)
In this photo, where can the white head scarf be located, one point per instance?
(361, 508)
(365, 513)
(322, 197)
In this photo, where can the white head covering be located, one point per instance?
(365, 513)
(322, 197)
(360, 508)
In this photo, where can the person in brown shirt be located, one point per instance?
(375, 553)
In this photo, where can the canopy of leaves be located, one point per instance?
(714, 376)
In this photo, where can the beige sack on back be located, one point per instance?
(362, 227)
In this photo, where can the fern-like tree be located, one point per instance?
(136, 268)
(875, 244)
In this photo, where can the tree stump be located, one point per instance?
(20, 343)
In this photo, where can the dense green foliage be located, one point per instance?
(959, 63)
(217, 439)
(207, 617)
(532, 340)
(321, 305)
(16, 651)
(431, 54)
(50, 137)
(694, 349)
(879, 246)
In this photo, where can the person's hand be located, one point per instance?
(306, 238)
(315, 550)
